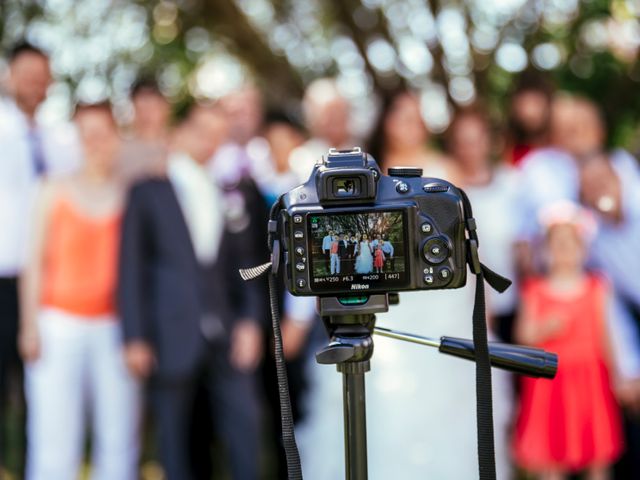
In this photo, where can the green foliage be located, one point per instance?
(372, 47)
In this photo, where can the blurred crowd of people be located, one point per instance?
(119, 291)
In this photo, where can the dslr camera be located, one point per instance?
(352, 230)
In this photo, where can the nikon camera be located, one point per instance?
(350, 229)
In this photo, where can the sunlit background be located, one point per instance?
(453, 52)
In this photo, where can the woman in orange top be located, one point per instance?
(69, 335)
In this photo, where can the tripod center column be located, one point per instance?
(355, 418)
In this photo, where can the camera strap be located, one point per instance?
(484, 401)
(294, 467)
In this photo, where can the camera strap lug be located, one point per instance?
(275, 257)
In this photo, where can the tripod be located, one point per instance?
(350, 323)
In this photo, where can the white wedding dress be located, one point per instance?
(364, 260)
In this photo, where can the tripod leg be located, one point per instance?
(355, 425)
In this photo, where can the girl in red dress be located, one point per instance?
(571, 423)
(378, 260)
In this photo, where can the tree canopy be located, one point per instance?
(454, 52)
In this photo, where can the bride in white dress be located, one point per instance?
(420, 404)
(364, 260)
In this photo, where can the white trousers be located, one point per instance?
(80, 376)
(335, 263)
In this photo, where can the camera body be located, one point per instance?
(350, 229)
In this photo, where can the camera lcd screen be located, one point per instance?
(358, 251)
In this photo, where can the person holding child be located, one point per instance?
(572, 423)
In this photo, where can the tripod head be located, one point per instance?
(350, 322)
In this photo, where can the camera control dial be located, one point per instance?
(405, 172)
(435, 188)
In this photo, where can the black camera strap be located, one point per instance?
(484, 398)
(294, 467)
(484, 402)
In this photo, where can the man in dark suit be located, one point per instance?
(342, 253)
(186, 313)
(351, 253)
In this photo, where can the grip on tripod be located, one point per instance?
(533, 362)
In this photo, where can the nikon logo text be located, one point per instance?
(360, 286)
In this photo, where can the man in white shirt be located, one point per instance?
(29, 150)
(327, 240)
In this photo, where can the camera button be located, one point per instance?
(402, 187)
(426, 227)
(445, 273)
(298, 234)
(300, 266)
(428, 279)
(297, 219)
(435, 250)
(299, 251)
(301, 283)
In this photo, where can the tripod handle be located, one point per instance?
(529, 361)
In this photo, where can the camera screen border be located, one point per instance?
(372, 285)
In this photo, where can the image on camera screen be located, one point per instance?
(357, 251)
